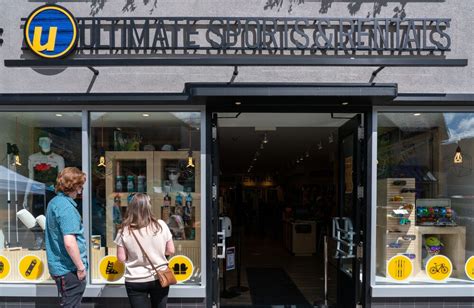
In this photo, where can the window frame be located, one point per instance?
(29, 289)
(406, 290)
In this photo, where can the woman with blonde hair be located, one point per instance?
(141, 231)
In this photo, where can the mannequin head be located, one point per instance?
(173, 175)
(44, 143)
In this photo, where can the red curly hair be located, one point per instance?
(69, 180)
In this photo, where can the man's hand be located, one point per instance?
(81, 275)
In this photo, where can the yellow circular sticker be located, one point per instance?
(111, 269)
(399, 268)
(439, 268)
(31, 267)
(469, 268)
(4, 267)
(182, 267)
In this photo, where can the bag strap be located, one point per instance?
(145, 254)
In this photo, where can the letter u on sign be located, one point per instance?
(51, 39)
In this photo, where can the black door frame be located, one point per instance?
(305, 103)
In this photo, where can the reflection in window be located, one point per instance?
(424, 197)
(36, 147)
(157, 153)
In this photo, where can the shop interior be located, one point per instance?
(278, 186)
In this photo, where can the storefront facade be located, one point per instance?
(131, 99)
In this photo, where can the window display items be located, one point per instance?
(130, 183)
(118, 183)
(166, 209)
(172, 185)
(433, 247)
(126, 142)
(179, 210)
(435, 216)
(141, 187)
(176, 225)
(117, 213)
(44, 167)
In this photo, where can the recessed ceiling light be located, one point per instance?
(345, 103)
(146, 114)
(238, 103)
(417, 114)
(59, 115)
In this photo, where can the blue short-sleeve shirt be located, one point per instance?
(63, 218)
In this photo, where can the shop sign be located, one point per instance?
(254, 35)
(111, 269)
(182, 267)
(31, 267)
(439, 268)
(51, 32)
(400, 268)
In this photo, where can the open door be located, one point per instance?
(347, 227)
(216, 238)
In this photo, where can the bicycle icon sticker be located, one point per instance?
(439, 268)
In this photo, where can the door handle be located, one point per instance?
(221, 240)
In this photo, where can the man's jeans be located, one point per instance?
(70, 290)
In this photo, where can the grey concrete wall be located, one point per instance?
(172, 79)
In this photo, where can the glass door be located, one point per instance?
(214, 238)
(349, 277)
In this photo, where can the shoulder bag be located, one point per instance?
(165, 277)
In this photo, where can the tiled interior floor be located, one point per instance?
(307, 273)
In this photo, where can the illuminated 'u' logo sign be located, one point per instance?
(51, 31)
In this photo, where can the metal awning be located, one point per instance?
(250, 60)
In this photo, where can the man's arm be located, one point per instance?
(73, 250)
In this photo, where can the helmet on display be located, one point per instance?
(433, 245)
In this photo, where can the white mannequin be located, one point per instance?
(173, 176)
(45, 156)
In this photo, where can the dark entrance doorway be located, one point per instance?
(282, 178)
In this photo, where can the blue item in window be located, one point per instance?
(130, 183)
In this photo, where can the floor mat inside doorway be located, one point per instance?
(273, 286)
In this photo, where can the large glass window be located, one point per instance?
(425, 198)
(35, 147)
(157, 153)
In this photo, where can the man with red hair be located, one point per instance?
(65, 243)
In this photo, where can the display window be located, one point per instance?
(425, 199)
(157, 153)
(35, 147)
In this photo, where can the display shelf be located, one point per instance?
(392, 229)
(155, 166)
(454, 240)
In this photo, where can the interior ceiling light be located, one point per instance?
(238, 103)
(345, 103)
(265, 140)
(417, 114)
(59, 115)
(146, 115)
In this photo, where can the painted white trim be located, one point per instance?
(49, 290)
(425, 290)
(373, 218)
